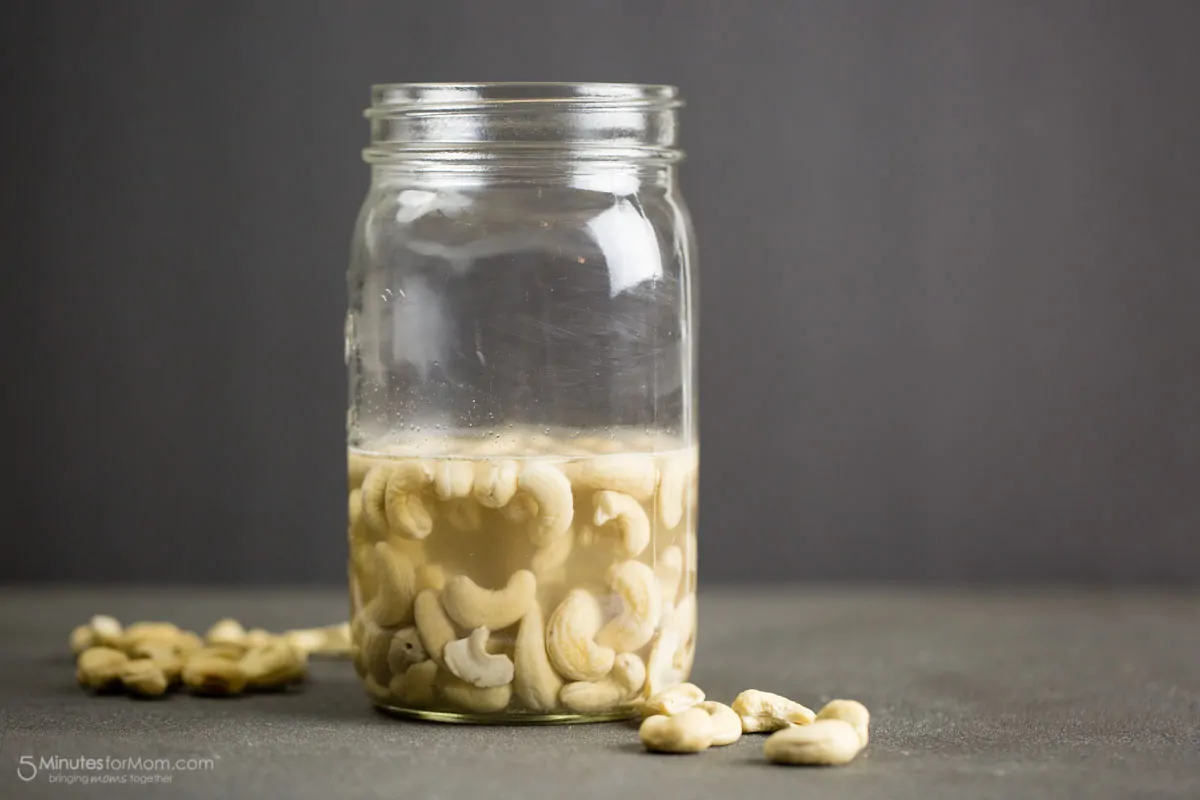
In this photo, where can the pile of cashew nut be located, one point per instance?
(147, 659)
(560, 582)
(680, 720)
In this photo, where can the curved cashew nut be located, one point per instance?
(357, 467)
(764, 711)
(683, 620)
(415, 687)
(589, 697)
(570, 636)
(669, 652)
(453, 478)
(536, 682)
(674, 700)
(553, 555)
(852, 712)
(551, 490)
(472, 698)
(374, 646)
(474, 607)
(688, 732)
(635, 584)
(355, 508)
(669, 571)
(636, 476)
(404, 650)
(397, 586)
(464, 514)
(727, 725)
(674, 487)
(374, 490)
(826, 742)
(630, 518)
(433, 626)
(470, 660)
(495, 483)
(405, 510)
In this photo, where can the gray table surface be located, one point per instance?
(1027, 694)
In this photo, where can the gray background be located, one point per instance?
(949, 258)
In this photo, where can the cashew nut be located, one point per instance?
(764, 711)
(139, 632)
(634, 583)
(475, 607)
(549, 558)
(433, 626)
(495, 483)
(374, 490)
(144, 678)
(472, 698)
(374, 648)
(464, 514)
(688, 732)
(99, 668)
(404, 509)
(404, 650)
(673, 488)
(535, 681)
(275, 663)
(519, 510)
(470, 660)
(683, 620)
(355, 508)
(431, 576)
(415, 687)
(329, 640)
(668, 661)
(852, 712)
(669, 571)
(397, 586)
(164, 655)
(630, 518)
(727, 725)
(224, 631)
(106, 631)
(551, 490)
(207, 674)
(674, 700)
(453, 479)
(570, 639)
(589, 697)
(633, 475)
(826, 742)
(81, 639)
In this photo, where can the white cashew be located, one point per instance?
(470, 660)
(549, 558)
(274, 663)
(826, 742)
(374, 490)
(727, 725)
(404, 650)
(415, 687)
(472, 698)
(551, 490)
(464, 514)
(641, 597)
(630, 518)
(452, 478)
(431, 576)
(688, 732)
(674, 700)
(684, 621)
(536, 682)
(851, 712)
(496, 483)
(474, 607)
(226, 631)
(570, 636)
(669, 571)
(674, 487)
(628, 474)
(397, 586)
(764, 711)
(433, 626)
(589, 697)
(404, 508)
(669, 652)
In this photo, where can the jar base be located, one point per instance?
(468, 718)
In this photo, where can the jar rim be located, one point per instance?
(399, 98)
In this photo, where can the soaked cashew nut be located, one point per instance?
(99, 668)
(668, 660)
(472, 698)
(549, 558)
(404, 509)
(551, 491)
(674, 700)
(851, 712)
(684, 622)
(630, 519)
(475, 607)
(415, 687)
(470, 660)
(273, 664)
(673, 488)
(374, 648)
(431, 576)
(826, 742)
(688, 732)
(433, 626)
(535, 681)
(669, 572)
(764, 711)
(452, 478)
(590, 697)
(463, 513)
(495, 483)
(397, 578)
(374, 503)
(404, 650)
(636, 476)
(144, 678)
(570, 639)
(727, 725)
(641, 597)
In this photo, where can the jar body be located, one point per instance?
(522, 451)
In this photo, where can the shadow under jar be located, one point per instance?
(522, 450)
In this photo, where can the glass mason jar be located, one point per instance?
(521, 435)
